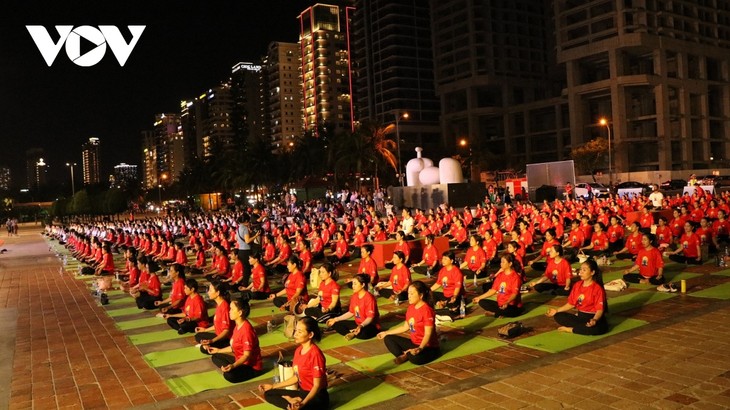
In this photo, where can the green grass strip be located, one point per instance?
(636, 299)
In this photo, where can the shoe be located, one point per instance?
(673, 288)
(400, 359)
(524, 289)
(350, 336)
(664, 288)
(444, 318)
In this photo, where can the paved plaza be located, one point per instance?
(61, 349)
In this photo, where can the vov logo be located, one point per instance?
(71, 37)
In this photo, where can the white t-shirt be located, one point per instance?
(656, 199)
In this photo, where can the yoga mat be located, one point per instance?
(451, 349)
(556, 341)
(620, 264)
(725, 272)
(136, 324)
(715, 292)
(274, 338)
(635, 300)
(156, 336)
(197, 382)
(477, 319)
(123, 311)
(671, 277)
(356, 395)
(265, 310)
(174, 356)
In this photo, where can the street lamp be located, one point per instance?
(71, 166)
(605, 123)
(398, 116)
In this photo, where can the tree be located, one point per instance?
(364, 149)
(590, 156)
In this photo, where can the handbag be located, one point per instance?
(511, 329)
(286, 371)
(616, 285)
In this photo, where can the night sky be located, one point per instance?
(186, 48)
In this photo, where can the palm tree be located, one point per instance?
(369, 144)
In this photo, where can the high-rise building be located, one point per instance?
(392, 51)
(90, 161)
(657, 71)
(213, 112)
(36, 168)
(5, 179)
(326, 67)
(149, 159)
(248, 115)
(497, 79)
(282, 71)
(124, 176)
(170, 146)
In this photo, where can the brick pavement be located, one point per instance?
(69, 354)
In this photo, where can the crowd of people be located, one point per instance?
(239, 256)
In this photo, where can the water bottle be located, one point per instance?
(65, 260)
(462, 309)
(397, 300)
(428, 273)
(475, 280)
(276, 377)
(269, 327)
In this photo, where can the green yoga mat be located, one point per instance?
(356, 395)
(156, 336)
(478, 320)
(335, 340)
(724, 272)
(123, 311)
(174, 356)
(451, 349)
(197, 382)
(715, 292)
(636, 299)
(556, 341)
(670, 277)
(265, 311)
(136, 324)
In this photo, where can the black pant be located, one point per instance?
(614, 247)
(276, 397)
(684, 259)
(424, 270)
(397, 345)
(451, 308)
(386, 293)
(237, 374)
(578, 322)
(243, 255)
(185, 327)
(316, 313)
(248, 295)
(221, 343)
(539, 266)
(147, 301)
(490, 305)
(636, 278)
(552, 288)
(625, 256)
(344, 327)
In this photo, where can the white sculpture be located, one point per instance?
(421, 171)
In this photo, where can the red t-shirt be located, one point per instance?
(633, 244)
(181, 258)
(237, 272)
(507, 286)
(587, 299)
(490, 248)
(294, 282)
(108, 263)
(310, 366)
(460, 235)
(221, 320)
(178, 291)
(475, 258)
(245, 340)
(369, 267)
(450, 280)
(306, 257)
(558, 273)
(327, 292)
(342, 250)
(200, 261)
(649, 262)
(153, 285)
(418, 319)
(223, 266)
(615, 232)
(364, 307)
(258, 277)
(317, 245)
(663, 235)
(195, 309)
(403, 247)
(689, 244)
(576, 238)
(133, 276)
(599, 241)
(400, 278)
(430, 255)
